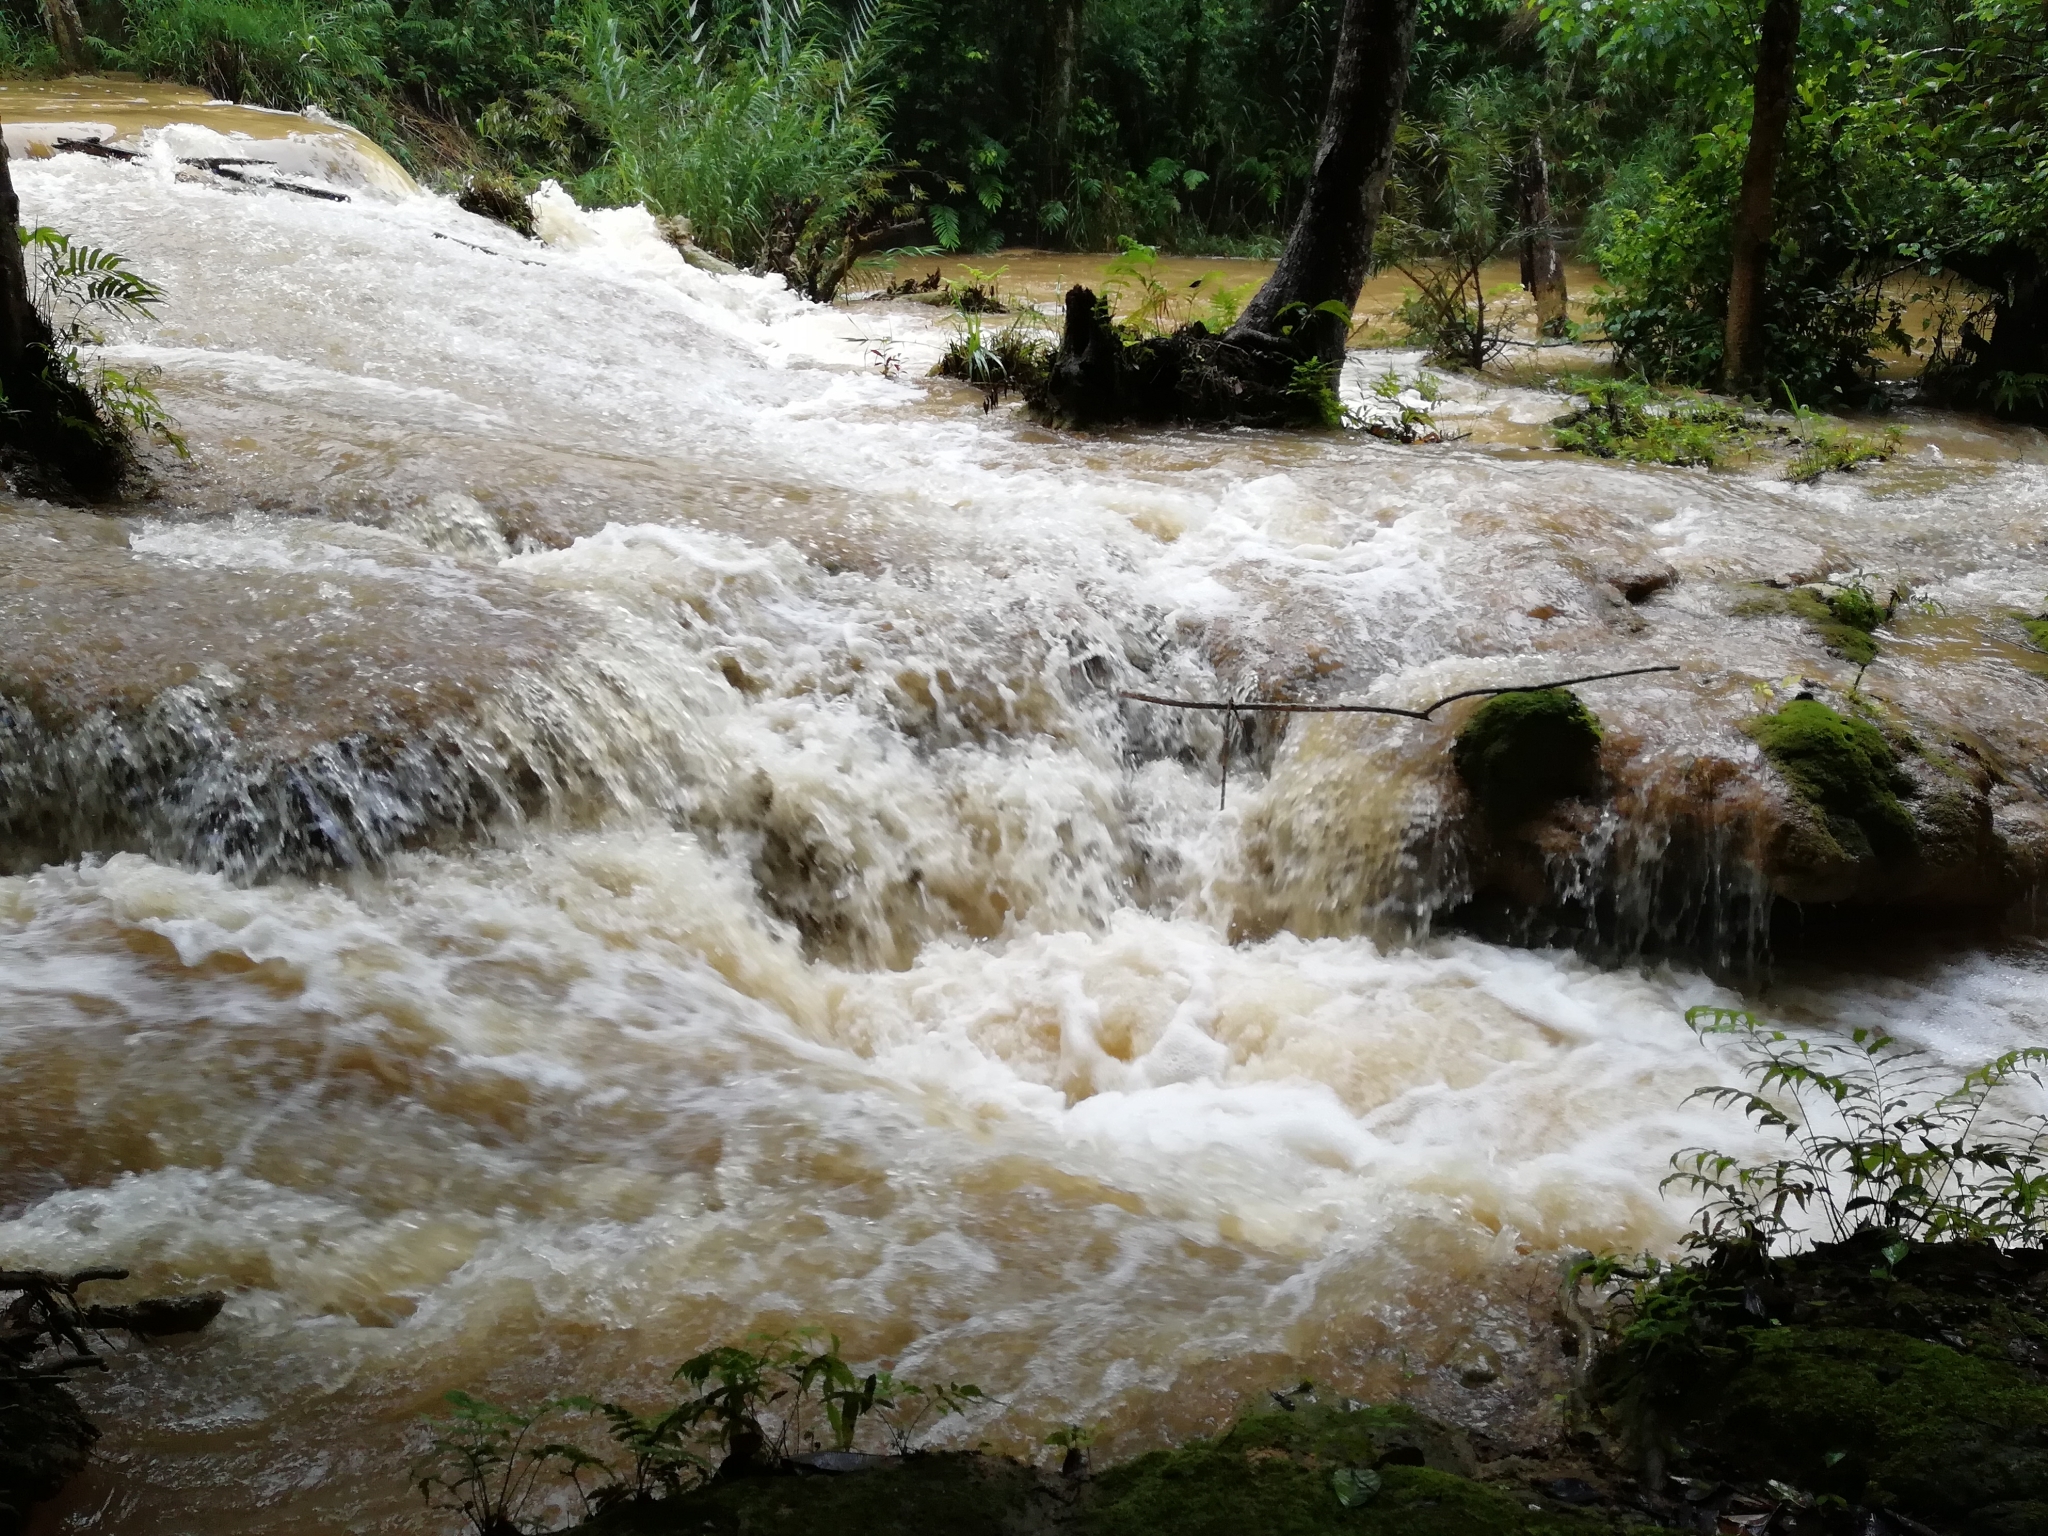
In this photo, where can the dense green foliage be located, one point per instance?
(797, 135)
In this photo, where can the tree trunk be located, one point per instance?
(1329, 250)
(1542, 267)
(49, 425)
(1990, 371)
(1056, 99)
(68, 33)
(20, 326)
(1777, 52)
(1191, 62)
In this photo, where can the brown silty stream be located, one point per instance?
(589, 817)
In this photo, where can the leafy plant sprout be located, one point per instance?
(1874, 1143)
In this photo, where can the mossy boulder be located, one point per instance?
(1884, 1419)
(923, 1495)
(2037, 630)
(1910, 1377)
(1520, 752)
(1845, 770)
(1401, 1473)
(498, 199)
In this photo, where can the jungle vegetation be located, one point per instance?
(1762, 184)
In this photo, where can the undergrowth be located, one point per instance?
(1625, 419)
(1847, 1345)
(746, 1407)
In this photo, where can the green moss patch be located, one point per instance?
(928, 1495)
(1624, 419)
(1316, 1469)
(1206, 1491)
(1881, 1418)
(1521, 751)
(1845, 770)
(2037, 631)
(1843, 620)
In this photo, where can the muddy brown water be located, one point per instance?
(592, 816)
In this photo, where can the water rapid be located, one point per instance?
(594, 813)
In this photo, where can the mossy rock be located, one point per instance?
(498, 199)
(1845, 770)
(1882, 1418)
(1522, 751)
(2037, 630)
(1275, 1474)
(1272, 1474)
(925, 1495)
(45, 1439)
(1205, 1491)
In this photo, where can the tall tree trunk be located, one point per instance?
(1056, 99)
(1542, 267)
(21, 327)
(1777, 53)
(1329, 250)
(50, 426)
(68, 33)
(1191, 61)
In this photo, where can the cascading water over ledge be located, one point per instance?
(592, 818)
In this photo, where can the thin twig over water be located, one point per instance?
(1248, 706)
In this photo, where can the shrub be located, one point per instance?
(1664, 247)
(1875, 1144)
(749, 1407)
(769, 147)
(1625, 419)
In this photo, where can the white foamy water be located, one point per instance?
(609, 825)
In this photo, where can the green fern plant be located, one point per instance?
(1873, 1142)
(73, 285)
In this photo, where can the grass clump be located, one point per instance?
(1845, 770)
(1521, 751)
(1625, 419)
(1824, 449)
(1017, 357)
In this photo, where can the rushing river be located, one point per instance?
(594, 815)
